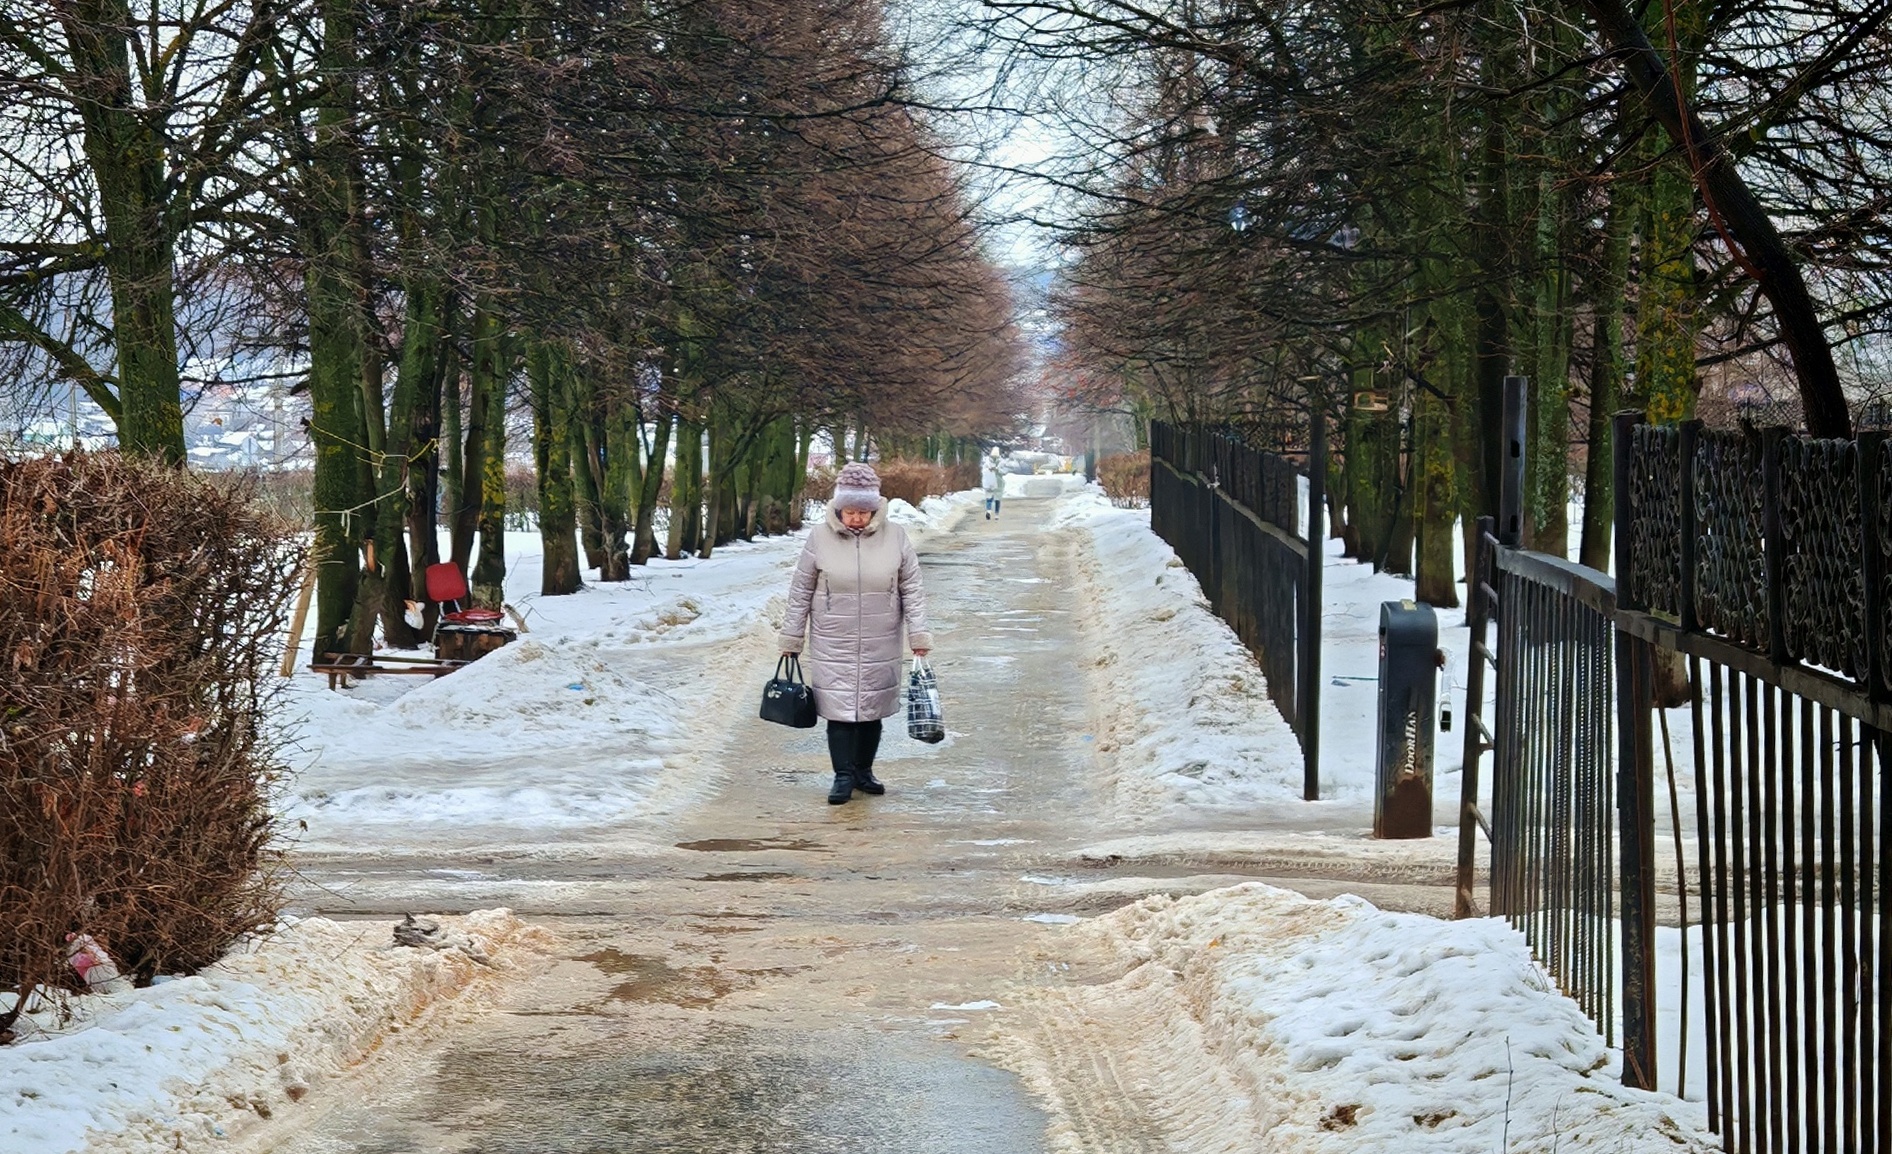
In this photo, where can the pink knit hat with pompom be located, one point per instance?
(857, 486)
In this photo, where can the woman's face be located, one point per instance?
(856, 518)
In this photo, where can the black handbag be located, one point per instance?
(787, 700)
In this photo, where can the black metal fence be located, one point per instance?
(1553, 805)
(1760, 561)
(1233, 515)
(1773, 588)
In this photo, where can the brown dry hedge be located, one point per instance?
(141, 609)
(911, 481)
(1125, 478)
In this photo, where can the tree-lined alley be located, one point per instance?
(1381, 210)
(698, 232)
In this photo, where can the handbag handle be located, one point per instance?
(793, 663)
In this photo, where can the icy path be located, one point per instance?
(757, 970)
(740, 966)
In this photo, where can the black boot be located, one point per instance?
(842, 790)
(866, 782)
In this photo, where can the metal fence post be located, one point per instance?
(1316, 540)
(1511, 479)
(1872, 558)
(1477, 618)
(1635, 797)
(1688, 438)
(1212, 508)
(1774, 544)
(1624, 443)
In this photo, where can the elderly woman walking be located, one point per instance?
(856, 587)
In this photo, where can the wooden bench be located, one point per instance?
(341, 666)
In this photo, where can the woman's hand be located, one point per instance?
(921, 652)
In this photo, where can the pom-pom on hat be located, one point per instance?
(857, 486)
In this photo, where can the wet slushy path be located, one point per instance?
(785, 975)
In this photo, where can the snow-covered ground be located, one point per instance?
(1194, 726)
(1254, 1019)
(1335, 1023)
(188, 1061)
(596, 699)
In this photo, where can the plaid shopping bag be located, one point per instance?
(924, 720)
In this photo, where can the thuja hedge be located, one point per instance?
(140, 607)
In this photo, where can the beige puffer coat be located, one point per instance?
(851, 594)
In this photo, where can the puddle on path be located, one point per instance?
(747, 876)
(651, 979)
(752, 844)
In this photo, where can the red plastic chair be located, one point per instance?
(447, 586)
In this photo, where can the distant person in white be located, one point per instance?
(991, 480)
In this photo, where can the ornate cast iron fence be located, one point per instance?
(1233, 515)
(1761, 561)
(1780, 615)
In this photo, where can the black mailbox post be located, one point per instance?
(1409, 689)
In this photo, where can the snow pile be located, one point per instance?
(1045, 484)
(934, 513)
(1186, 719)
(538, 693)
(902, 512)
(192, 1060)
(541, 732)
(1255, 1019)
(532, 692)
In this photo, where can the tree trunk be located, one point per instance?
(686, 490)
(452, 440)
(1479, 412)
(125, 150)
(1760, 249)
(488, 584)
(335, 425)
(546, 373)
(334, 429)
(1547, 487)
(780, 454)
(804, 442)
(423, 474)
(483, 382)
(1360, 535)
(372, 594)
(714, 479)
(619, 479)
(1666, 293)
(587, 448)
(1435, 503)
(390, 437)
(1606, 379)
(644, 536)
(1396, 472)
(1435, 441)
